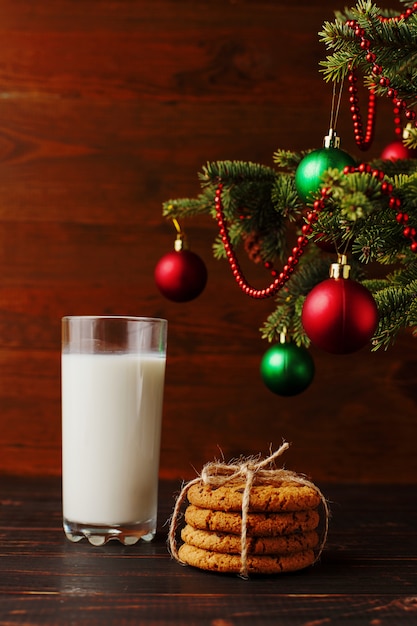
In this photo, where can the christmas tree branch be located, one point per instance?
(265, 215)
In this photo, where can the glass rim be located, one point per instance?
(126, 318)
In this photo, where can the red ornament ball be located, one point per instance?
(339, 315)
(180, 275)
(397, 150)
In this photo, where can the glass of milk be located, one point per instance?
(113, 371)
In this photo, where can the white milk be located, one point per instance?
(111, 426)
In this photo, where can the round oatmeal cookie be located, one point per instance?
(289, 496)
(258, 524)
(231, 563)
(230, 544)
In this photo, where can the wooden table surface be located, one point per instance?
(367, 574)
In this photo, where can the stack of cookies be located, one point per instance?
(281, 529)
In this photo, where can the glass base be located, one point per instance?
(98, 535)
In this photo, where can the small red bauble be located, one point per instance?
(180, 275)
(397, 150)
(339, 315)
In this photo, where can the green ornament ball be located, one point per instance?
(310, 170)
(287, 369)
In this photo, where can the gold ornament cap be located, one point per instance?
(332, 140)
(406, 131)
(283, 335)
(341, 269)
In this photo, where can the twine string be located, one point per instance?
(250, 471)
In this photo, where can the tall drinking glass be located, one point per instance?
(113, 371)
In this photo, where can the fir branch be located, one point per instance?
(230, 172)
(298, 332)
(279, 321)
(375, 284)
(287, 160)
(285, 197)
(394, 43)
(394, 306)
(402, 278)
(412, 316)
(188, 207)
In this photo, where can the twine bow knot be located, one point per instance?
(217, 474)
(250, 472)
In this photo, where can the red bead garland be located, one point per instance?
(400, 105)
(397, 121)
(292, 261)
(306, 230)
(362, 141)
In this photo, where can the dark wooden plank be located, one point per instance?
(367, 574)
(199, 611)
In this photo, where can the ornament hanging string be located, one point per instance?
(177, 226)
(251, 472)
(334, 113)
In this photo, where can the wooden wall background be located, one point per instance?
(108, 108)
